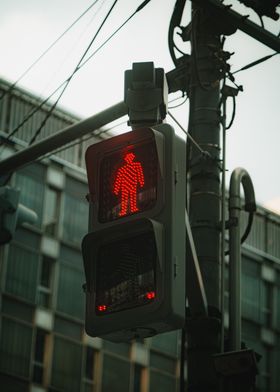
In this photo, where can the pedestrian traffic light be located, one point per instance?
(12, 213)
(134, 253)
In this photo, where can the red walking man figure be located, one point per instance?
(129, 176)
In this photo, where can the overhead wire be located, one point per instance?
(71, 76)
(12, 86)
(261, 21)
(140, 7)
(233, 114)
(256, 62)
(187, 134)
(115, 32)
(180, 104)
(73, 46)
(175, 22)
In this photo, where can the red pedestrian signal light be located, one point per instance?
(128, 179)
(134, 253)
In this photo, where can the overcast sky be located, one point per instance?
(28, 27)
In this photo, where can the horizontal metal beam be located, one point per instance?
(243, 23)
(61, 138)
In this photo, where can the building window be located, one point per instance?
(75, 212)
(75, 219)
(251, 290)
(162, 373)
(70, 296)
(66, 365)
(39, 356)
(68, 328)
(89, 368)
(265, 366)
(45, 282)
(166, 343)
(273, 235)
(161, 382)
(15, 348)
(256, 237)
(163, 363)
(11, 384)
(51, 212)
(22, 271)
(116, 374)
(266, 303)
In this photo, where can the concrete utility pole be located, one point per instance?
(204, 334)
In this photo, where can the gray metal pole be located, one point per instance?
(204, 193)
(239, 176)
(62, 137)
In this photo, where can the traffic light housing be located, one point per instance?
(12, 213)
(134, 253)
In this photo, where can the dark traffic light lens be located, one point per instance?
(128, 181)
(125, 273)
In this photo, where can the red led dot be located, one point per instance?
(150, 295)
(102, 308)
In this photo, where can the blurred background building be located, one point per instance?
(43, 346)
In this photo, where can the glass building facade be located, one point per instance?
(43, 346)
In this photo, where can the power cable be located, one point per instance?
(180, 104)
(233, 113)
(12, 86)
(73, 46)
(256, 62)
(246, 231)
(142, 5)
(188, 134)
(175, 22)
(261, 21)
(71, 76)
